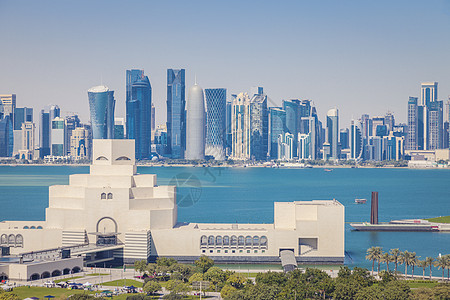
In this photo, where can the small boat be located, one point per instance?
(328, 170)
(360, 201)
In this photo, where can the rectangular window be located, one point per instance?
(306, 245)
(218, 251)
(234, 251)
(240, 251)
(256, 251)
(248, 251)
(226, 251)
(203, 251)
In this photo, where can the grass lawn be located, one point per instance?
(68, 279)
(39, 292)
(440, 219)
(122, 282)
(418, 284)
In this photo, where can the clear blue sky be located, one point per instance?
(360, 56)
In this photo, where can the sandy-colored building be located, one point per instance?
(114, 214)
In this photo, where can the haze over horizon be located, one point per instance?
(361, 57)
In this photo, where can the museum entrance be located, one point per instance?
(106, 232)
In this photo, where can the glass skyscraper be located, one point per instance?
(216, 101)
(333, 133)
(277, 126)
(139, 113)
(101, 104)
(6, 136)
(176, 112)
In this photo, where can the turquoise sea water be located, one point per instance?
(246, 195)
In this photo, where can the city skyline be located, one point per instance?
(337, 55)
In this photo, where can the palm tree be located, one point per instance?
(447, 265)
(395, 254)
(430, 262)
(413, 262)
(441, 263)
(405, 258)
(386, 258)
(373, 254)
(422, 264)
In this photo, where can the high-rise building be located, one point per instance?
(176, 113)
(240, 127)
(259, 123)
(44, 134)
(216, 108)
(389, 121)
(277, 126)
(304, 146)
(377, 126)
(256, 90)
(8, 104)
(333, 132)
(429, 93)
(286, 146)
(58, 136)
(356, 141)
(71, 122)
(132, 76)
(412, 134)
(139, 112)
(27, 150)
(228, 144)
(119, 128)
(435, 125)
(101, 105)
(6, 136)
(314, 129)
(153, 120)
(344, 138)
(195, 119)
(79, 143)
(20, 116)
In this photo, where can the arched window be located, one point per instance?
(39, 227)
(19, 240)
(103, 196)
(248, 240)
(203, 240)
(256, 240)
(219, 240)
(123, 158)
(211, 240)
(233, 240)
(240, 240)
(101, 158)
(11, 240)
(4, 239)
(226, 240)
(33, 227)
(26, 227)
(110, 196)
(263, 241)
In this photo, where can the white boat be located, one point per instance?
(360, 201)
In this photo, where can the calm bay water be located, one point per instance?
(246, 195)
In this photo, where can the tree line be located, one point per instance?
(407, 259)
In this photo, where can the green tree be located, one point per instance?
(271, 278)
(216, 276)
(204, 263)
(369, 293)
(164, 261)
(177, 287)
(430, 263)
(237, 280)
(422, 294)
(405, 258)
(422, 264)
(374, 254)
(386, 258)
(8, 296)
(152, 287)
(441, 263)
(184, 270)
(140, 266)
(346, 289)
(442, 291)
(395, 254)
(226, 291)
(413, 262)
(196, 277)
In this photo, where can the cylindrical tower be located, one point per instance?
(195, 137)
(101, 104)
